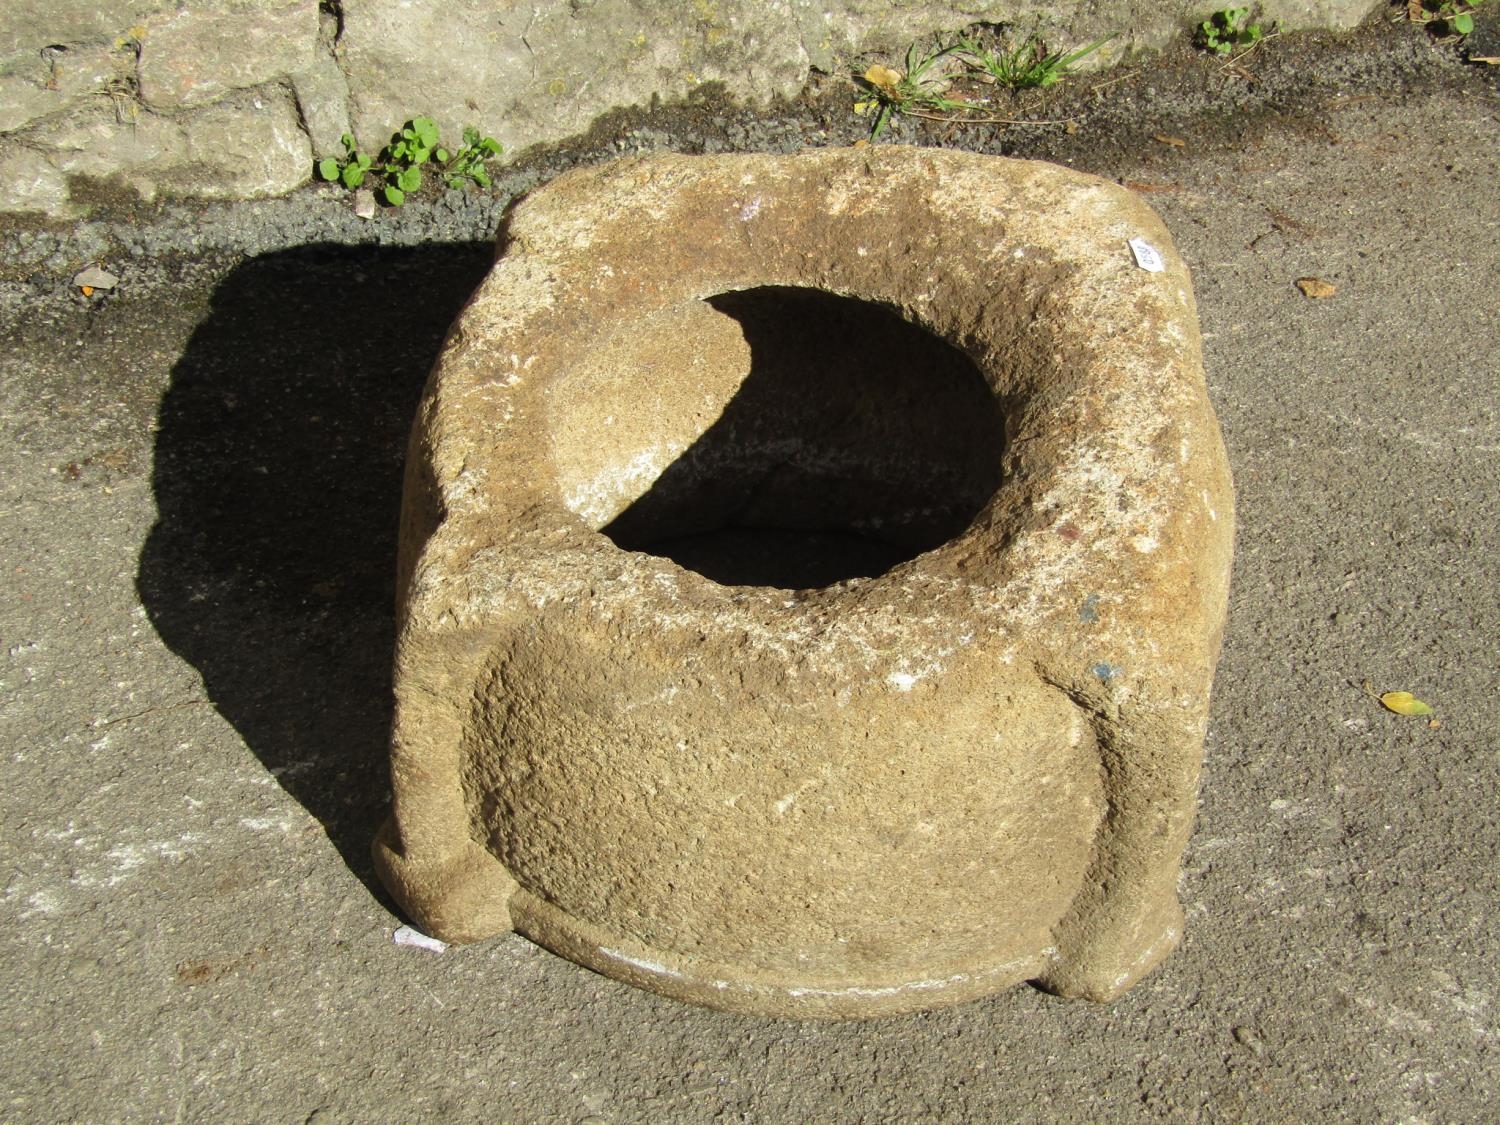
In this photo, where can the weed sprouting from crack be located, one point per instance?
(400, 163)
(1231, 29)
(1443, 18)
(918, 89)
(924, 87)
(1029, 65)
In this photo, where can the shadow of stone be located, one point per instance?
(278, 465)
(857, 440)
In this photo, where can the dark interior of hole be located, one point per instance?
(856, 441)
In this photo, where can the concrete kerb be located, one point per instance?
(191, 103)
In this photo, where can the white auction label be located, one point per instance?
(417, 939)
(1148, 257)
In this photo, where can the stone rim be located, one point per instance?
(1132, 414)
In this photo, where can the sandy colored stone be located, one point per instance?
(246, 146)
(50, 79)
(29, 182)
(321, 92)
(812, 574)
(202, 53)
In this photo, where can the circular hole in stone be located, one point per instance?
(779, 437)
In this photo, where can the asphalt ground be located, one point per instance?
(199, 483)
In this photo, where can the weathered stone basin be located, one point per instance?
(813, 570)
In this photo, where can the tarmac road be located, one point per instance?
(199, 481)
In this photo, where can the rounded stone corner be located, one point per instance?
(464, 898)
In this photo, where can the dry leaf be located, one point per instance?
(883, 77)
(1404, 703)
(96, 278)
(1316, 287)
(1175, 142)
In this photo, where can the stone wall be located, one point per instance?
(226, 99)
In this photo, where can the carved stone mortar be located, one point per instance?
(812, 574)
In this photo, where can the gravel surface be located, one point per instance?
(199, 485)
